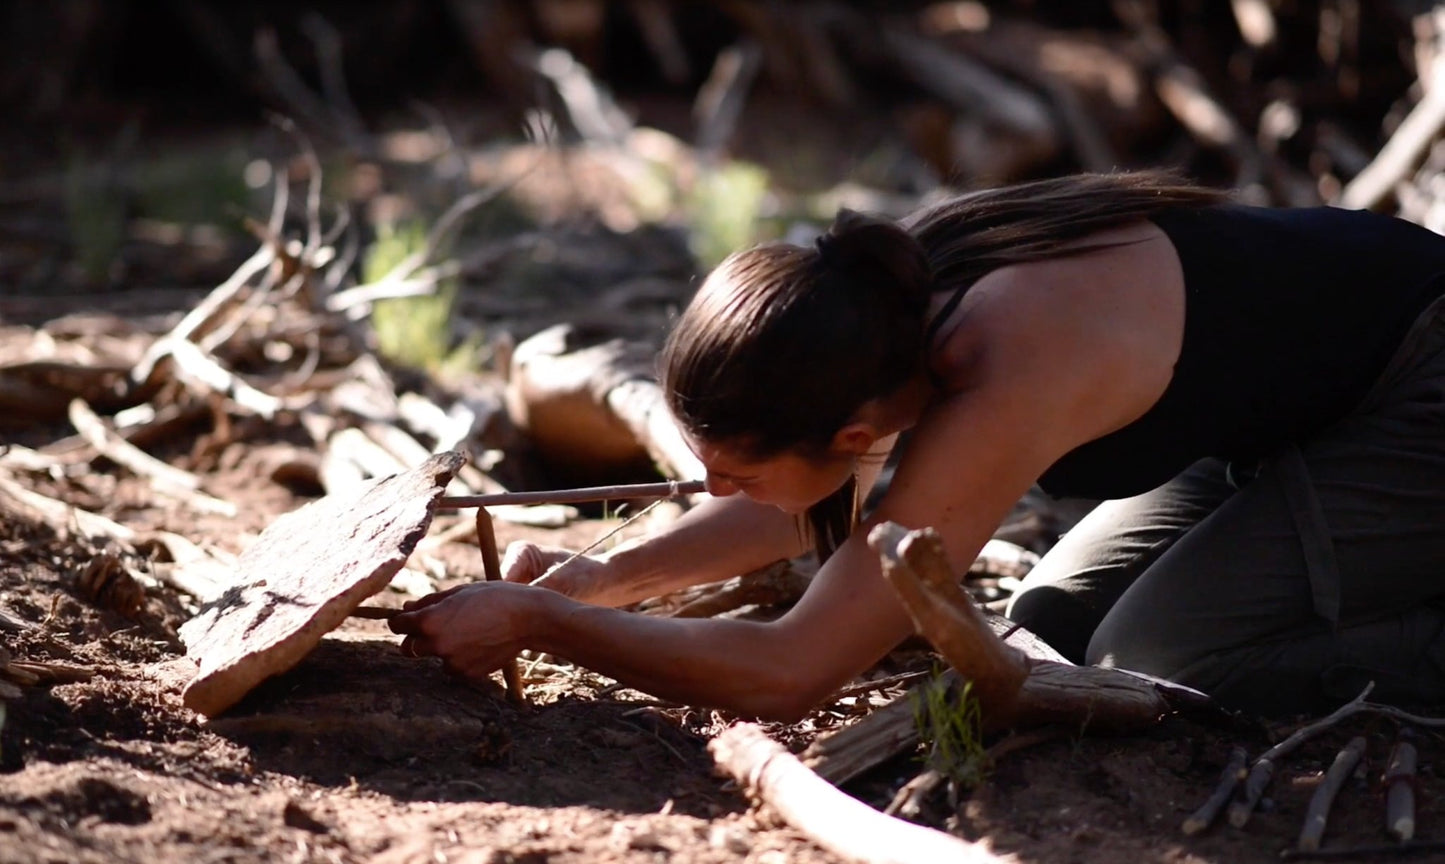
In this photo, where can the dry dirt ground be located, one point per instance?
(361, 755)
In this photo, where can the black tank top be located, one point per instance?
(1291, 315)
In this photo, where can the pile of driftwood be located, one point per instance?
(1288, 99)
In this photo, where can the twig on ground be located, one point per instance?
(1263, 768)
(1318, 814)
(1234, 771)
(1399, 783)
(908, 800)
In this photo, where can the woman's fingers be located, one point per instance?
(430, 599)
(525, 562)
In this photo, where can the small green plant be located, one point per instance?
(948, 720)
(726, 209)
(415, 331)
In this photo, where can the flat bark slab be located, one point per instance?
(303, 576)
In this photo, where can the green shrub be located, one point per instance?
(415, 331)
(949, 723)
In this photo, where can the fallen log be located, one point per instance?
(1011, 688)
(594, 411)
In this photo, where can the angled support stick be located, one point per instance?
(487, 540)
(669, 489)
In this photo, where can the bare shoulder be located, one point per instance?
(1093, 335)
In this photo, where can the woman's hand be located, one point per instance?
(582, 578)
(475, 629)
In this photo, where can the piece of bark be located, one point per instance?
(828, 816)
(1317, 815)
(303, 576)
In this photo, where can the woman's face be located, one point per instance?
(787, 481)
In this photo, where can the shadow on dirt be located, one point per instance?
(357, 712)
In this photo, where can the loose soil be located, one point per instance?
(360, 754)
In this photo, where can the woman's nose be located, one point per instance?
(718, 487)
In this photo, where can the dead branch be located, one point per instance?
(1393, 164)
(837, 822)
(654, 20)
(166, 478)
(949, 619)
(1263, 769)
(203, 573)
(205, 375)
(1318, 813)
(62, 518)
(908, 800)
(980, 95)
(202, 317)
(842, 755)
(720, 100)
(1011, 689)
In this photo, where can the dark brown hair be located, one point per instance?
(784, 343)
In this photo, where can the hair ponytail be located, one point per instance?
(783, 344)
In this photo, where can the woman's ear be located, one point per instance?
(855, 439)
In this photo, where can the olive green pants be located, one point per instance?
(1286, 591)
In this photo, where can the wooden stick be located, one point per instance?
(669, 489)
(375, 613)
(1318, 814)
(487, 540)
(836, 821)
(1234, 772)
(1263, 770)
(908, 801)
(1400, 789)
(915, 565)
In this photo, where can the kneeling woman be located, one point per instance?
(1259, 393)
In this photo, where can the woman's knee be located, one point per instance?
(1056, 616)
